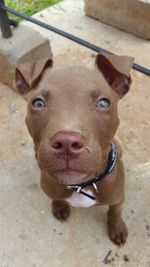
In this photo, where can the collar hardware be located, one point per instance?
(112, 158)
(95, 187)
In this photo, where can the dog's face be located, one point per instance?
(72, 116)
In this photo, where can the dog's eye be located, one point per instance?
(103, 103)
(38, 103)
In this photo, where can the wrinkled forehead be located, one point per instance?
(73, 79)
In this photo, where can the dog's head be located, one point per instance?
(72, 113)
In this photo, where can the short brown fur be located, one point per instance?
(72, 132)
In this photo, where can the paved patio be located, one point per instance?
(30, 236)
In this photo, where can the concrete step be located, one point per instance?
(25, 44)
(132, 16)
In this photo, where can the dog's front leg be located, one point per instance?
(117, 228)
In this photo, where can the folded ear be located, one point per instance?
(29, 73)
(116, 71)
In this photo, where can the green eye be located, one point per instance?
(38, 103)
(103, 103)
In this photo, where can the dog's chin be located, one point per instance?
(69, 176)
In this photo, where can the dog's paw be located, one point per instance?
(61, 210)
(118, 232)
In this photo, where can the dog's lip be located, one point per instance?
(66, 176)
(69, 171)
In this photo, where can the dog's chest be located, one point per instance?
(81, 201)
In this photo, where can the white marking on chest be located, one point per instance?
(81, 201)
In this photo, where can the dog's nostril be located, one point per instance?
(77, 145)
(57, 145)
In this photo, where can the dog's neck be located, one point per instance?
(112, 158)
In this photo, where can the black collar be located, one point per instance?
(112, 158)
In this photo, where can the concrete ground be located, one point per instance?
(30, 236)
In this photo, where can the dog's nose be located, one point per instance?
(67, 143)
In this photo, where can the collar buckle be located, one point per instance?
(76, 187)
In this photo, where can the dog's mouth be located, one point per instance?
(70, 176)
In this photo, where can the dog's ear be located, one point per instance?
(29, 73)
(116, 71)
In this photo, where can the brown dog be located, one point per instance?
(72, 117)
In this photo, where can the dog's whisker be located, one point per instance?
(88, 148)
